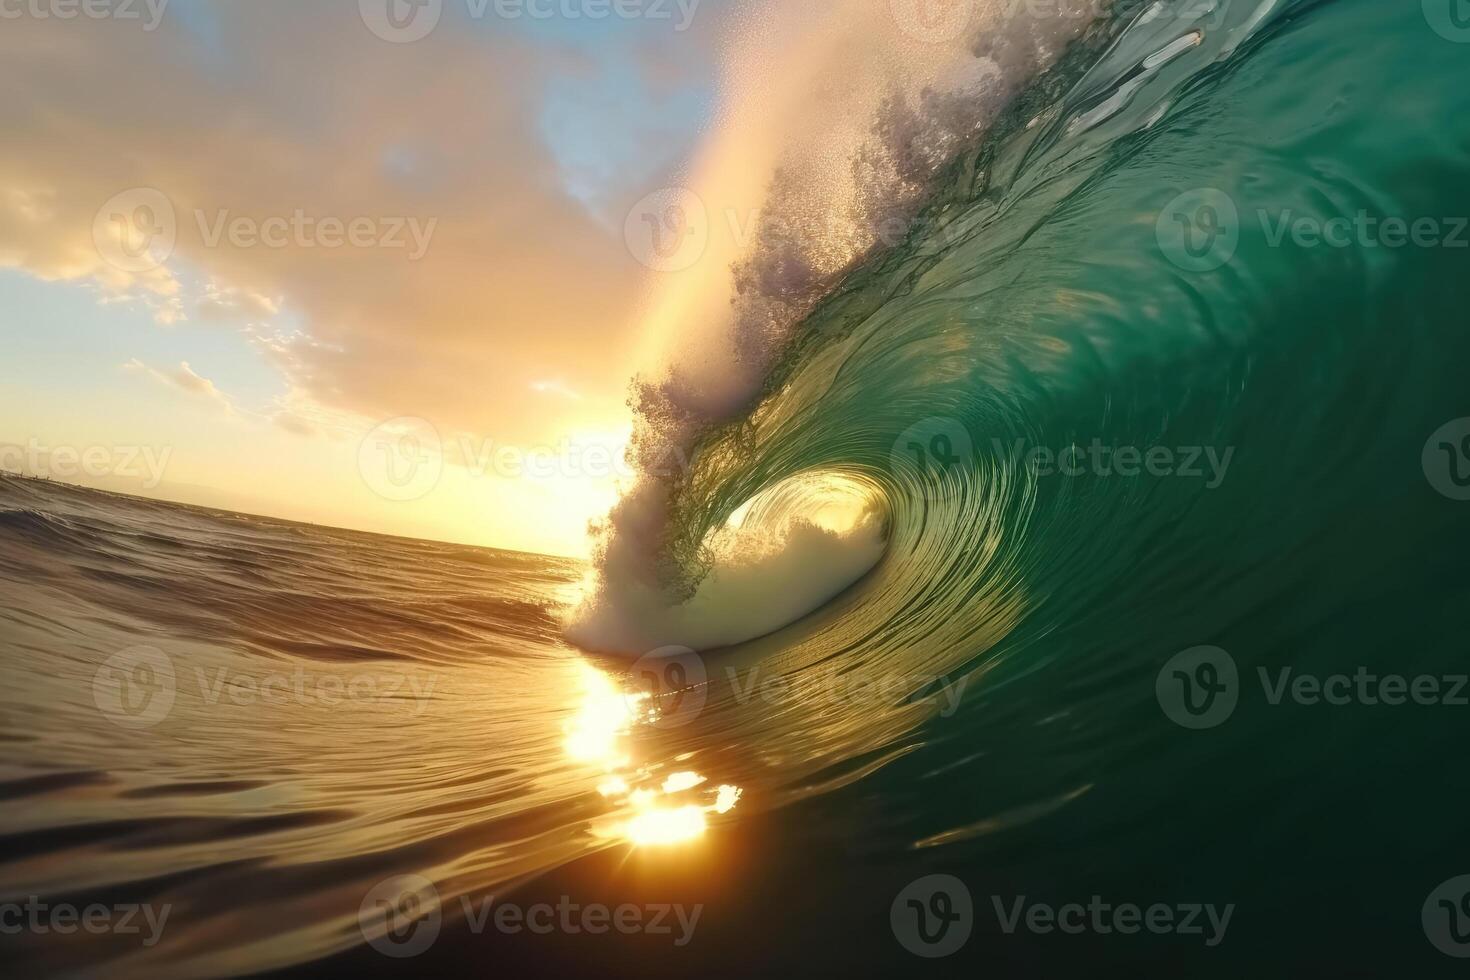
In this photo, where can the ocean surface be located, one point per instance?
(1162, 420)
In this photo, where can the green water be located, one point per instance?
(1170, 615)
(1062, 294)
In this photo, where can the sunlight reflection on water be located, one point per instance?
(649, 812)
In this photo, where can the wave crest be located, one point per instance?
(848, 187)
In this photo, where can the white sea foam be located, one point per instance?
(745, 595)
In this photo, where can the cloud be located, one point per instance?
(294, 424)
(268, 138)
(185, 379)
(555, 388)
(223, 303)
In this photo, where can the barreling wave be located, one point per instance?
(1083, 271)
(850, 188)
(974, 592)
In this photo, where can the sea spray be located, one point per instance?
(848, 173)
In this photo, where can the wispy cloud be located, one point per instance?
(556, 388)
(287, 132)
(185, 379)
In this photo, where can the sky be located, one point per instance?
(394, 265)
(319, 262)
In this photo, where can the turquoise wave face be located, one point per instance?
(1163, 409)
(1173, 360)
(1155, 331)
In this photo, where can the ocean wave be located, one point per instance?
(837, 202)
(1042, 302)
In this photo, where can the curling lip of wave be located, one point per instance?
(765, 572)
(864, 160)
